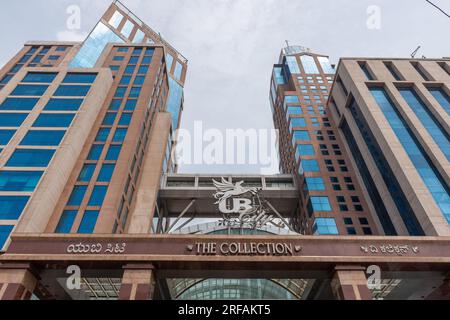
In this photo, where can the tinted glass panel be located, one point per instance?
(72, 91)
(97, 196)
(54, 120)
(113, 152)
(29, 90)
(11, 207)
(43, 138)
(19, 103)
(5, 231)
(12, 119)
(39, 77)
(86, 172)
(19, 180)
(77, 195)
(106, 173)
(63, 104)
(95, 152)
(5, 136)
(30, 158)
(66, 221)
(80, 78)
(88, 222)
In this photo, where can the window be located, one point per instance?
(122, 49)
(392, 70)
(302, 135)
(130, 69)
(309, 165)
(428, 172)
(365, 70)
(130, 105)
(30, 158)
(169, 61)
(88, 222)
(120, 134)
(133, 60)
(95, 152)
(80, 78)
(120, 92)
(139, 80)
(5, 231)
(11, 207)
(125, 80)
(125, 119)
(428, 120)
(77, 195)
(72, 91)
(314, 184)
(116, 19)
(293, 110)
(441, 96)
(325, 226)
(176, 72)
(61, 49)
(138, 37)
(109, 118)
(135, 92)
(115, 104)
(113, 152)
(39, 77)
(118, 58)
(66, 221)
(292, 64)
(421, 71)
(320, 204)
(305, 149)
(106, 173)
(298, 122)
(146, 60)
(53, 120)
(43, 138)
(53, 57)
(144, 70)
(102, 134)
(5, 136)
(12, 119)
(19, 180)
(97, 196)
(29, 90)
(309, 65)
(326, 65)
(63, 104)
(127, 28)
(86, 172)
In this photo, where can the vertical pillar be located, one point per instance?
(350, 283)
(137, 282)
(17, 282)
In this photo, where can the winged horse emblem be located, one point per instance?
(227, 190)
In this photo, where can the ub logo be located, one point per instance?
(241, 206)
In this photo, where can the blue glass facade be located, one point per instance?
(93, 46)
(437, 132)
(441, 96)
(434, 182)
(174, 102)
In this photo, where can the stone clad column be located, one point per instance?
(137, 282)
(17, 282)
(350, 283)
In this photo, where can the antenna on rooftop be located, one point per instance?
(413, 54)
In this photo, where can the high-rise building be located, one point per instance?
(87, 129)
(89, 190)
(331, 198)
(394, 115)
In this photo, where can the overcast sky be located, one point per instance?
(232, 44)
